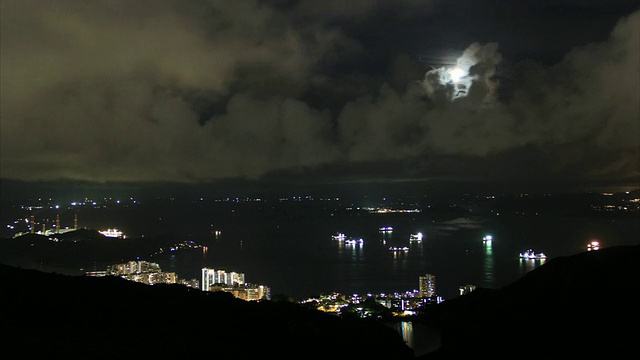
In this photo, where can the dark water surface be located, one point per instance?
(288, 245)
(294, 254)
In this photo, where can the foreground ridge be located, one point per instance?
(108, 317)
(579, 305)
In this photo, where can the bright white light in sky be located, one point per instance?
(456, 73)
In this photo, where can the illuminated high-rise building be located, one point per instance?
(133, 267)
(427, 286)
(211, 277)
(233, 283)
(258, 292)
(141, 271)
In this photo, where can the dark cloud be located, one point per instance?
(202, 91)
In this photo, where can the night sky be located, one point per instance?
(321, 91)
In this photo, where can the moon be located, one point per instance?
(456, 73)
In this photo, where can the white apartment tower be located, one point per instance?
(427, 286)
(212, 276)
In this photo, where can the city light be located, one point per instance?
(594, 245)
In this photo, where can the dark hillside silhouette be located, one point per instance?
(584, 305)
(47, 315)
(579, 306)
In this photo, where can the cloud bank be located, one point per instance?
(200, 91)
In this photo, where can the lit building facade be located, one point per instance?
(258, 292)
(151, 278)
(427, 285)
(212, 277)
(192, 283)
(141, 271)
(465, 289)
(133, 267)
(234, 283)
(248, 292)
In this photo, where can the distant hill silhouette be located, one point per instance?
(580, 306)
(76, 249)
(73, 235)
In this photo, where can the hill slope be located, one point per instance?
(61, 316)
(584, 305)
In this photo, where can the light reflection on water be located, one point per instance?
(488, 265)
(299, 267)
(406, 330)
(416, 247)
(353, 252)
(526, 265)
(418, 336)
(300, 258)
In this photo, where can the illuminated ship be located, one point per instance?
(386, 228)
(395, 249)
(339, 236)
(531, 255)
(415, 237)
(354, 241)
(115, 233)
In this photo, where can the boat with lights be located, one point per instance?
(112, 233)
(339, 236)
(354, 241)
(415, 237)
(531, 255)
(396, 249)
